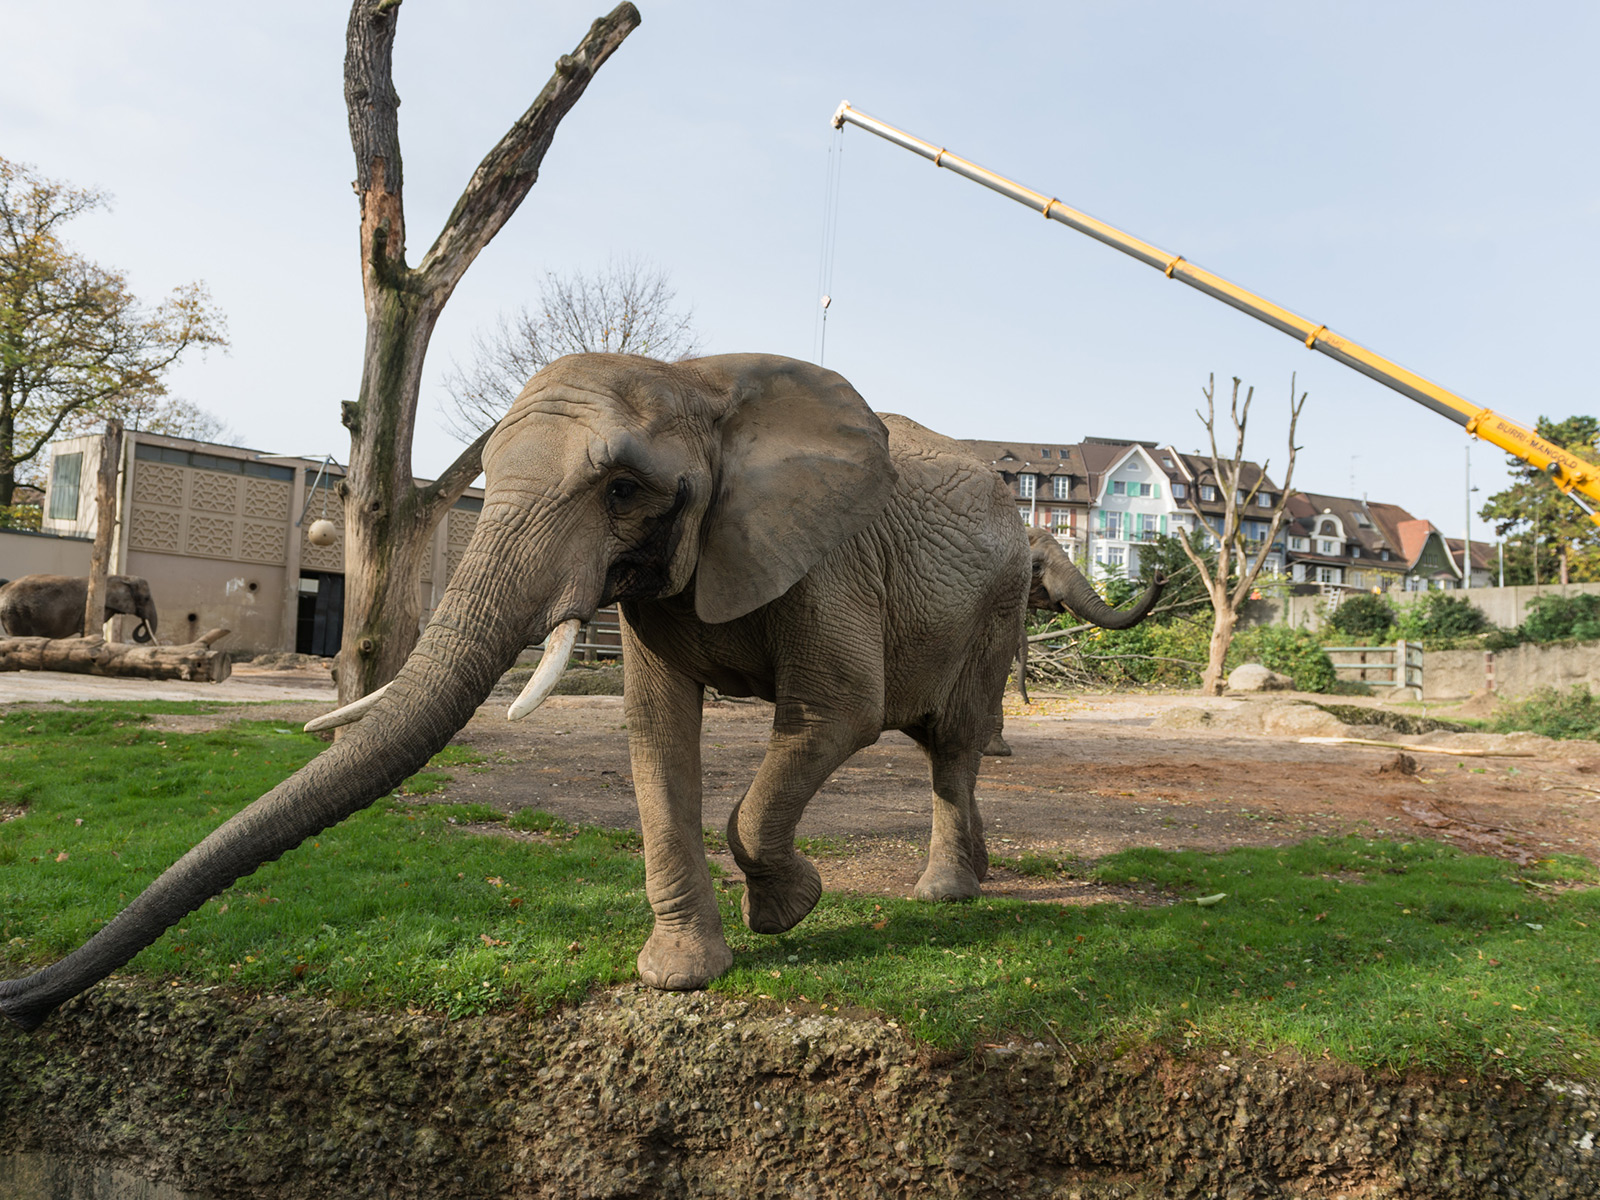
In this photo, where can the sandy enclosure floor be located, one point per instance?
(1090, 775)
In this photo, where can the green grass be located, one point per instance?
(1378, 953)
(1554, 714)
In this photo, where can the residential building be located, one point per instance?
(1196, 485)
(1342, 544)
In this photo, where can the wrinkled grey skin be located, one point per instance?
(1058, 586)
(52, 605)
(766, 534)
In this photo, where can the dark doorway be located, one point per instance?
(321, 618)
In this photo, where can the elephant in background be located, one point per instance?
(766, 534)
(1058, 586)
(52, 605)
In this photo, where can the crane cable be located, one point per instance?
(830, 244)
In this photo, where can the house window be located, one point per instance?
(1327, 575)
(1238, 495)
(1149, 530)
(1325, 547)
(1207, 492)
(1166, 462)
(1327, 528)
(1111, 524)
(1059, 486)
(1114, 556)
(1144, 489)
(1383, 554)
(1135, 465)
(1355, 551)
(1264, 500)
(1044, 452)
(1296, 543)
(1119, 488)
(65, 472)
(1026, 514)
(1025, 486)
(1179, 491)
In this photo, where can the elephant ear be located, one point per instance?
(804, 468)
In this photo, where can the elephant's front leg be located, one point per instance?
(808, 745)
(958, 859)
(686, 949)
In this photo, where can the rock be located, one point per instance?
(1253, 677)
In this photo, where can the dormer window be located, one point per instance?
(1025, 483)
(1044, 452)
(1327, 529)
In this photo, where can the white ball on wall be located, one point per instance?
(322, 533)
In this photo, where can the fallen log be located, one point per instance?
(196, 662)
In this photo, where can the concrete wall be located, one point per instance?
(1516, 673)
(42, 554)
(1506, 607)
(193, 595)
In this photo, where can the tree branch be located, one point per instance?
(507, 173)
(444, 491)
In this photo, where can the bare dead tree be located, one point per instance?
(389, 520)
(628, 308)
(1228, 597)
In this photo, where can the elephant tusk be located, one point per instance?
(558, 648)
(349, 713)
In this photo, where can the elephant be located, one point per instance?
(52, 605)
(1057, 586)
(765, 534)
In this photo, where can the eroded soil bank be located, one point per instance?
(210, 1094)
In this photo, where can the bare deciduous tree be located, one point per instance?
(389, 519)
(629, 308)
(1231, 577)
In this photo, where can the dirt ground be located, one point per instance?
(1090, 775)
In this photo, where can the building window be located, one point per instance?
(1060, 486)
(1298, 543)
(1025, 486)
(1355, 551)
(1144, 489)
(1179, 491)
(1327, 529)
(1325, 547)
(1149, 530)
(1207, 492)
(1111, 524)
(1114, 556)
(1264, 500)
(1026, 514)
(1166, 462)
(1044, 452)
(1383, 554)
(1119, 488)
(1135, 465)
(65, 472)
(1327, 575)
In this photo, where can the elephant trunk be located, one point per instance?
(493, 608)
(1080, 597)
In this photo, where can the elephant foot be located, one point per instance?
(946, 881)
(681, 961)
(775, 903)
(976, 851)
(998, 747)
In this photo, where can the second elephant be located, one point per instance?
(1059, 587)
(52, 605)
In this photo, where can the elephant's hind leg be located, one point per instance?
(958, 859)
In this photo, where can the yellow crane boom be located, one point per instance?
(1566, 470)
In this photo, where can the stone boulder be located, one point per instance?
(1253, 677)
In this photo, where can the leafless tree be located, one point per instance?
(629, 308)
(1230, 580)
(389, 519)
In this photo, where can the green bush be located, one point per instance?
(1554, 714)
(21, 516)
(1294, 652)
(1563, 618)
(1440, 616)
(1363, 615)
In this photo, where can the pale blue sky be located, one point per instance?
(1421, 177)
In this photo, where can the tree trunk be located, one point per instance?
(389, 520)
(197, 662)
(105, 501)
(1215, 678)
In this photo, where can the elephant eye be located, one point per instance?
(622, 490)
